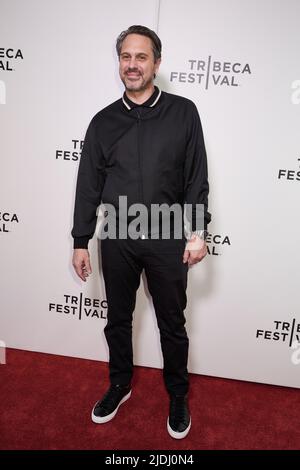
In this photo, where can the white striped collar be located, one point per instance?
(148, 103)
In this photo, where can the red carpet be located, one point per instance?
(46, 401)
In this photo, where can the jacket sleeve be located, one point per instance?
(89, 187)
(196, 186)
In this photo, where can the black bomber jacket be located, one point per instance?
(153, 153)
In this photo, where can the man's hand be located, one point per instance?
(195, 250)
(81, 263)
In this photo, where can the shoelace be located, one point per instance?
(178, 408)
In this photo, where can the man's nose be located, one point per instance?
(132, 63)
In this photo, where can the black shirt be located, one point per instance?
(152, 153)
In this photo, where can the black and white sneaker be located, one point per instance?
(106, 408)
(179, 420)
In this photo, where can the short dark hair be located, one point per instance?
(144, 31)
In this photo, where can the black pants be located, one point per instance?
(122, 264)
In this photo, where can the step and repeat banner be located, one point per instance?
(239, 62)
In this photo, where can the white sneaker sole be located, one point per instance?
(105, 419)
(178, 435)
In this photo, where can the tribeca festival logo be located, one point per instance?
(74, 154)
(295, 96)
(289, 175)
(285, 332)
(80, 307)
(215, 242)
(212, 72)
(8, 58)
(7, 220)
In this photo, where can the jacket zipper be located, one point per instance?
(139, 157)
(140, 162)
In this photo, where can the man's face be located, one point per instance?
(137, 67)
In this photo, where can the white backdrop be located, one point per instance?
(239, 62)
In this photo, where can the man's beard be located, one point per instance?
(133, 87)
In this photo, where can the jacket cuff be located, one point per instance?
(81, 242)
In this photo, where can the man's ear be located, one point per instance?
(157, 64)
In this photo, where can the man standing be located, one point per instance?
(147, 146)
